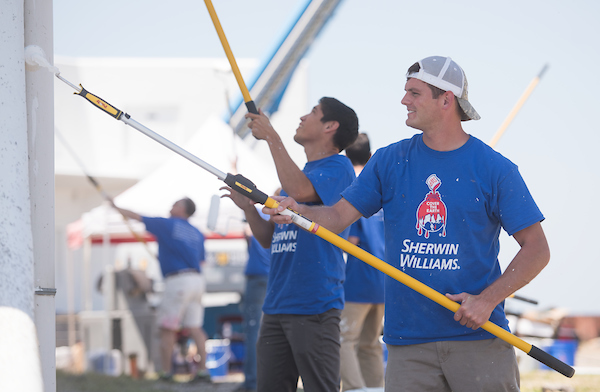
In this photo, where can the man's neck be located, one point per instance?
(316, 152)
(445, 139)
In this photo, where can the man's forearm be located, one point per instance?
(129, 214)
(292, 178)
(525, 266)
(262, 230)
(334, 218)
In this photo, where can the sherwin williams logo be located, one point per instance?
(284, 239)
(431, 213)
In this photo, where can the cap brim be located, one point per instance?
(469, 112)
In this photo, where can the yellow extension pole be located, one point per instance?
(234, 67)
(395, 273)
(419, 287)
(101, 191)
(517, 107)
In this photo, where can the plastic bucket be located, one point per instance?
(218, 353)
(238, 351)
(104, 362)
(563, 350)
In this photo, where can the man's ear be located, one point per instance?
(331, 126)
(448, 98)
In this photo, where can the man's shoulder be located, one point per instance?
(330, 176)
(492, 156)
(335, 159)
(157, 225)
(154, 219)
(185, 222)
(399, 147)
(333, 164)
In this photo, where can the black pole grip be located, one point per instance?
(531, 301)
(551, 361)
(251, 107)
(246, 187)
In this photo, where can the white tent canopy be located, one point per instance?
(215, 144)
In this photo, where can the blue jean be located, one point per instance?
(254, 297)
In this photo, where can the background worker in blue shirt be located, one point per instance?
(361, 324)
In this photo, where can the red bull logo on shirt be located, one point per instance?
(431, 213)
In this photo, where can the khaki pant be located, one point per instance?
(361, 352)
(479, 366)
(181, 303)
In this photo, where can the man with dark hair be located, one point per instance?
(446, 195)
(334, 110)
(362, 318)
(180, 254)
(190, 206)
(359, 152)
(300, 333)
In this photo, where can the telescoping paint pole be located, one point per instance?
(259, 197)
(524, 299)
(234, 67)
(517, 106)
(103, 193)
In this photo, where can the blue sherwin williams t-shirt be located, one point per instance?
(365, 283)
(443, 215)
(259, 258)
(307, 272)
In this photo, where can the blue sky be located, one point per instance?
(361, 58)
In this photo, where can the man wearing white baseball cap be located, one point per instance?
(446, 195)
(446, 75)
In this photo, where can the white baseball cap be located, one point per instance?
(444, 73)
